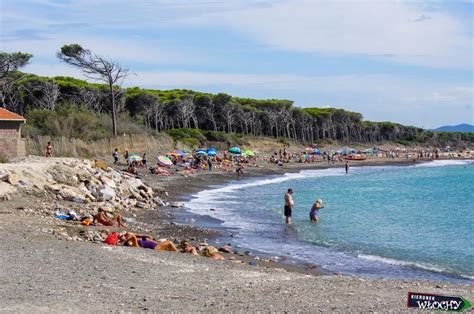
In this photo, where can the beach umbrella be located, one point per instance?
(211, 152)
(235, 150)
(164, 160)
(134, 157)
(173, 154)
(200, 152)
(180, 153)
(249, 153)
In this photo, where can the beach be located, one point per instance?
(47, 272)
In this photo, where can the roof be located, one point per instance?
(6, 115)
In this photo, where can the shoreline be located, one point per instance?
(195, 185)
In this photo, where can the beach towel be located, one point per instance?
(112, 238)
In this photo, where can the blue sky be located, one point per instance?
(392, 60)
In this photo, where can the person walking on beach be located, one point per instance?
(289, 203)
(116, 156)
(347, 167)
(49, 150)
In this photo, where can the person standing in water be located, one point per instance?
(239, 170)
(314, 213)
(289, 203)
(347, 167)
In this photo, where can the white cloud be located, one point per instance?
(398, 31)
(391, 30)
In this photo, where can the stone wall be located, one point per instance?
(11, 144)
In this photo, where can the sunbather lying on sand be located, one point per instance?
(212, 252)
(102, 218)
(187, 247)
(146, 242)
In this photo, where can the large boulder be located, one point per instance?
(71, 195)
(64, 175)
(107, 194)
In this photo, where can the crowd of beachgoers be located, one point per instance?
(236, 159)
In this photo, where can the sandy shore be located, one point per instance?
(39, 273)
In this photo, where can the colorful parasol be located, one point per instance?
(235, 150)
(249, 153)
(164, 160)
(200, 152)
(134, 157)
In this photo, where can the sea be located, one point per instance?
(410, 222)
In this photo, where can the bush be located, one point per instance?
(3, 159)
(77, 122)
(181, 134)
(405, 142)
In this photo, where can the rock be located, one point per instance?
(108, 182)
(79, 200)
(136, 194)
(64, 175)
(3, 175)
(134, 183)
(225, 249)
(158, 201)
(12, 179)
(107, 194)
(69, 194)
(144, 194)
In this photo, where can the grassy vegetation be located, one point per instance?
(197, 137)
(76, 122)
(3, 159)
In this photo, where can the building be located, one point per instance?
(11, 143)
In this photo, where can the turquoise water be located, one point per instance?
(392, 221)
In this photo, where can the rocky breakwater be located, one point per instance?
(85, 182)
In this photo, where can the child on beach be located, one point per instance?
(314, 213)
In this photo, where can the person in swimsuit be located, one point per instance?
(289, 203)
(314, 213)
(239, 170)
(49, 150)
(146, 242)
(102, 218)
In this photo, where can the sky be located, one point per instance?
(409, 62)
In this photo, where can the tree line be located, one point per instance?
(162, 110)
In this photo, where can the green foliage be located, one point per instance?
(405, 142)
(284, 140)
(75, 122)
(219, 136)
(12, 61)
(3, 159)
